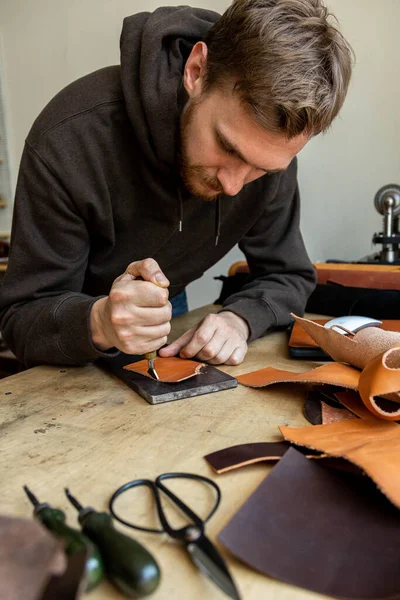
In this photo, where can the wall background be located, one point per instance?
(46, 44)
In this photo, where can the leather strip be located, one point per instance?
(242, 455)
(169, 370)
(321, 529)
(333, 373)
(371, 444)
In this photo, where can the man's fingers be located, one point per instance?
(149, 270)
(130, 293)
(174, 348)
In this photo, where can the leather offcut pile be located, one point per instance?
(373, 367)
(327, 516)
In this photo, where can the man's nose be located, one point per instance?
(233, 179)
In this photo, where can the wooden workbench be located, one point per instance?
(83, 428)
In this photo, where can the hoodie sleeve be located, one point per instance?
(282, 276)
(44, 317)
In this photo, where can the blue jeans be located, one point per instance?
(179, 304)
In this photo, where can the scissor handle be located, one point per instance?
(157, 485)
(184, 507)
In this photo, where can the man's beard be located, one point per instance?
(193, 174)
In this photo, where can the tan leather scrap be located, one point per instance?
(299, 338)
(358, 350)
(169, 370)
(332, 373)
(371, 444)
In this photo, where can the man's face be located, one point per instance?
(223, 148)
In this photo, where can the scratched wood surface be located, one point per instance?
(83, 428)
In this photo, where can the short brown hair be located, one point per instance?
(287, 59)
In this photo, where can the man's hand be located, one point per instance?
(135, 316)
(217, 339)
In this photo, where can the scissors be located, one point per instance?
(201, 550)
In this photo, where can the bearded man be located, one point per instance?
(137, 178)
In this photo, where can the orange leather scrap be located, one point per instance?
(333, 373)
(371, 444)
(169, 370)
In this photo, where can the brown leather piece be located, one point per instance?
(371, 444)
(330, 414)
(242, 455)
(333, 373)
(321, 529)
(169, 370)
(319, 408)
(358, 350)
(299, 338)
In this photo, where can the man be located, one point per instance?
(136, 179)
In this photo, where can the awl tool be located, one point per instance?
(130, 567)
(74, 541)
(150, 357)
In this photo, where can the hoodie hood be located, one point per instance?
(154, 49)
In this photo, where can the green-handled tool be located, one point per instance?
(131, 568)
(75, 541)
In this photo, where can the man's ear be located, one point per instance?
(193, 75)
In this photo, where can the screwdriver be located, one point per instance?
(130, 567)
(54, 520)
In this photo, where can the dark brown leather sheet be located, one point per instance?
(321, 529)
(169, 370)
(371, 444)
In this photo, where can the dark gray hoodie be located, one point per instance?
(97, 189)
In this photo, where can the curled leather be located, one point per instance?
(381, 377)
(371, 444)
(333, 373)
(169, 370)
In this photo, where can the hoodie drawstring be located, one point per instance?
(217, 216)
(217, 220)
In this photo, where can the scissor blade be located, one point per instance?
(207, 558)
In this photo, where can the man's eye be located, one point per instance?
(225, 148)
